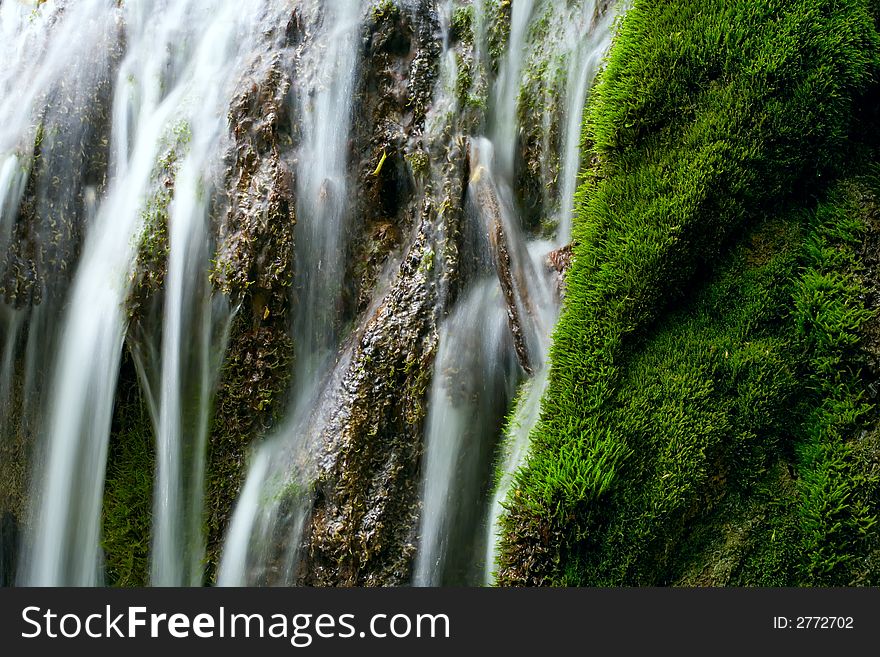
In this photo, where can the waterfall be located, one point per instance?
(279, 471)
(327, 73)
(506, 93)
(587, 37)
(188, 357)
(506, 317)
(175, 78)
(466, 403)
(43, 140)
(121, 141)
(574, 39)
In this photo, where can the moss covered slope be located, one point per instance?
(707, 419)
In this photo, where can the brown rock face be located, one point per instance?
(365, 508)
(357, 502)
(253, 267)
(366, 505)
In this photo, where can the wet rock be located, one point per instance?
(486, 199)
(16, 441)
(253, 267)
(145, 299)
(362, 527)
(8, 545)
(559, 262)
(66, 167)
(410, 178)
(501, 259)
(401, 46)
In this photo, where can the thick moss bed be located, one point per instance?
(708, 419)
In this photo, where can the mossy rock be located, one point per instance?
(714, 286)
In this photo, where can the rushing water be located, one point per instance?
(175, 78)
(586, 38)
(111, 110)
(575, 39)
(68, 57)
(466, 405)
(188, 357)
(326, 79)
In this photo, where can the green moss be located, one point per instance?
(384, 10)
(750, 539)
(709, 119)
(464, 80)
(148, 275)
(471, 92)
(419, 163)
(426, 266)
(128, 501)
(838, 496)
(699, 410)
(462, 25)
(497, 13)
(252, 393)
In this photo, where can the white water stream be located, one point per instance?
(325, 87)
(574, 43)
(180, 62)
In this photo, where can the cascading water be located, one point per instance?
(504, 124)
(188, 357)
(130, 126)
(466, 404)
(531, 302)
(176, 77)
(326, 74)
(506, 318)
(587, 37)
(324, 90)
(51, 159)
